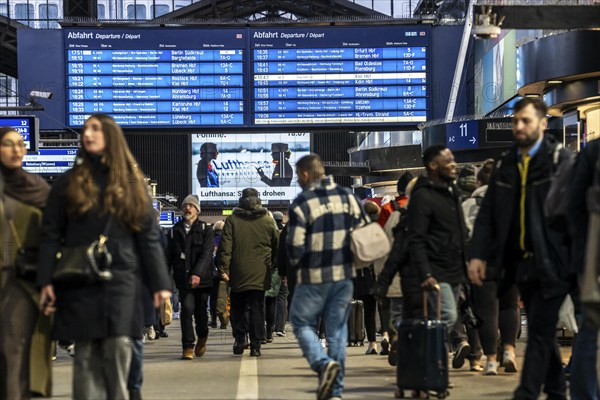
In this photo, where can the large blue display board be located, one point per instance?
(341, 75)
(249, 77)
(159, 78)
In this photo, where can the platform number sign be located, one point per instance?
(462, 135)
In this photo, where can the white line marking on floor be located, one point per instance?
(248, 380)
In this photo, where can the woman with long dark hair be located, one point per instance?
(104, 191)
(23, 195)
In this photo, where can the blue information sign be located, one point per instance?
(248, 77)
(462, 135)
(341, 75)
(50, 160)
(27, 126)
(156, 78)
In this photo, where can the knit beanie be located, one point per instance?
(193, 200)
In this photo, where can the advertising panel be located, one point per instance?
(225, 164)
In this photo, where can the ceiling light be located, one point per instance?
(554, 82)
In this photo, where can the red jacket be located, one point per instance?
(389, 208)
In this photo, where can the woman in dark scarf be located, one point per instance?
(22, 196)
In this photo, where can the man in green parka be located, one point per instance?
(246, 259)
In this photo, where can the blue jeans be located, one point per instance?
(449, 310)
(136, 373)
(584, 382)
(331, 301)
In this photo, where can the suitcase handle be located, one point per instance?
(438, 289)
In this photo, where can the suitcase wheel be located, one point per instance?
(399, 393)
(443, 395)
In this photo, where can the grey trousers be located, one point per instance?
(101, 369)
(18, 316)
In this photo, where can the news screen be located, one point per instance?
(225, 164)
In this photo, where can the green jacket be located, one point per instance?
(248, 247)
(275, 285)
(27, 222)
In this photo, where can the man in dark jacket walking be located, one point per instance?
(528, 252)
(191, 257)
(584, 381)
(246, 259)
(437, 233)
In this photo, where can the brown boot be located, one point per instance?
(188, 354)
(200, 347)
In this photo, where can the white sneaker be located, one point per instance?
(150, 332)
(491, 368)
(372, 349)
(70, 349)
(509, 362)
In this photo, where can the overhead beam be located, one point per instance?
(245, 8)
(545, 16)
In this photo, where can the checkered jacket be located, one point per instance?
(318, 242)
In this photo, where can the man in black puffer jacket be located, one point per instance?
(191, 257)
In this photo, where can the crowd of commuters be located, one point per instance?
(480, 236)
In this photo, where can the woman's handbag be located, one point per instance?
(84, 265)
(26, 259)
(369, 244)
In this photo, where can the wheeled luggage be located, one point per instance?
(423, 354)
(356, 324)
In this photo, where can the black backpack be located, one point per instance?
(556, 204)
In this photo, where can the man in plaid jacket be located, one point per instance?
(318, 243)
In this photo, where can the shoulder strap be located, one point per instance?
(556, 154)
(15, 234)
(104, 235)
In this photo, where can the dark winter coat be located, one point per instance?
(437, 232)
(105, 309)
(582, 180)
(498, 212)
(198, 247)
(248, 247)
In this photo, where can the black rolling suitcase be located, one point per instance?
(356, 324)
(423, 354)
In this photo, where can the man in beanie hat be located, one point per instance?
(246, 259)
(278, 217)
(467, 181)
(206, 175)
(191, 257)
(282, 171)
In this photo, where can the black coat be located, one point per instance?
(498, 210)
(437, 232)
(106, 309)
(198, 247)
(582, 180)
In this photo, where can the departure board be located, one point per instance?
(27, 126)
(50, 160)
(340, 75)
(156, 78)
